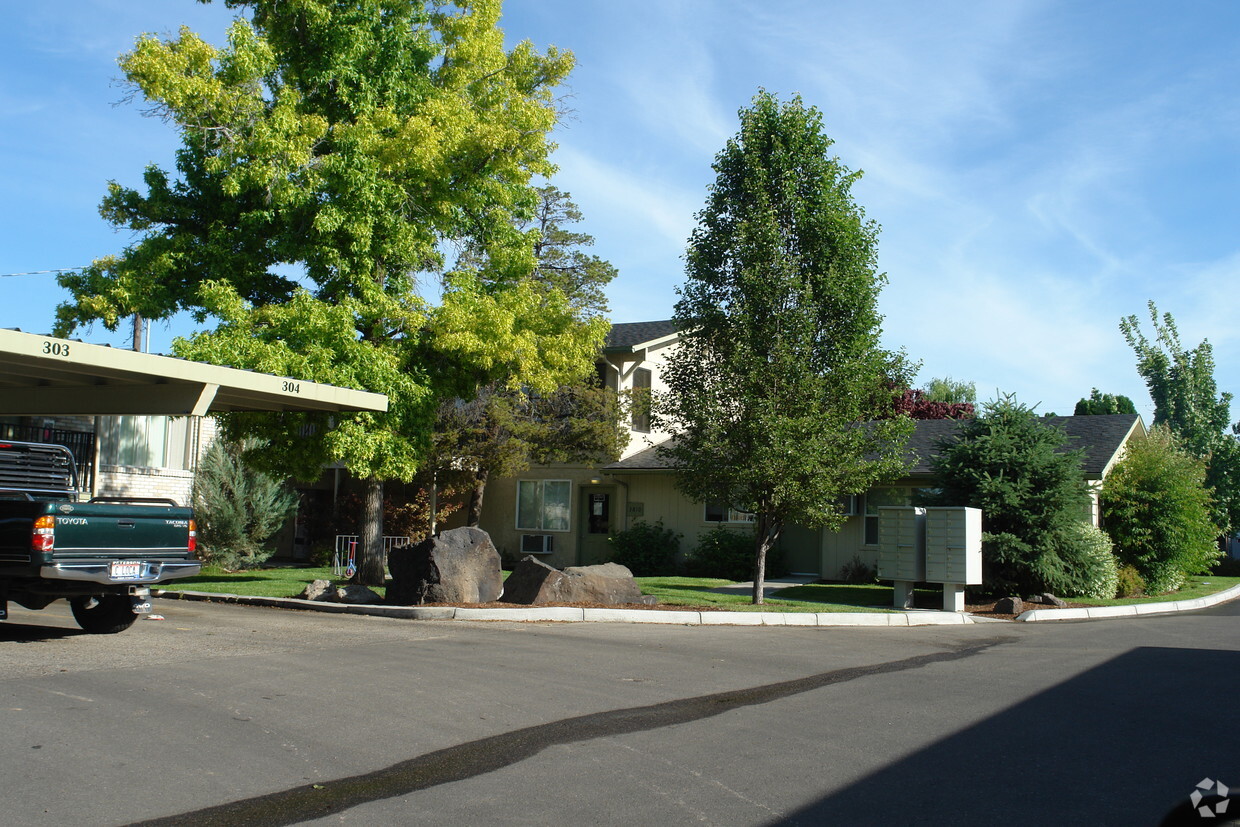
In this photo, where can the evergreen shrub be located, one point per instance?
(728, 553)
(646, 549)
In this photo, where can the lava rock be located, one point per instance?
(534, 583)
(460, 565)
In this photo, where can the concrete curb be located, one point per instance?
(566, 614)
(1096, 612)
(562, 614)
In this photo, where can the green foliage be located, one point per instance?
(1099, 404)
(647, 549)
(1156, 508)
(237, 508)
(1012, 465)
(951, 391)
(1084, 565)
(856, 573)
(497, 429)
(330, 153)
(1186, 400)
(782, 361)
(728, 553)
(1129, 582)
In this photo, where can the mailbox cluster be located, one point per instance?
(930, 545)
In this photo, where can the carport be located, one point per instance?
(41, 375)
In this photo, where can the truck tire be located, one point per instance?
(104, 614)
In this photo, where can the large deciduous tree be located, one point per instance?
(330, 153)
(780, 368)
(495, 429)
(1187, 401)
(1101, 404)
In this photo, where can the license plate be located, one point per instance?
(125, 570)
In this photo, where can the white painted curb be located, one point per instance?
(566, 614)
(1093, 612)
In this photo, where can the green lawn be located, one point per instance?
(698, 591)
(1199, 585)
(671, 591)
(254, 583)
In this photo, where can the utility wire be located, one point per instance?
(43, 272)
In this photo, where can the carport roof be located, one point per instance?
(41, 375)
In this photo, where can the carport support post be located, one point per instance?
(903, 594)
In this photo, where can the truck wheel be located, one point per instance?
(104, 614)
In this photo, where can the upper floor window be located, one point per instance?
(641, 400)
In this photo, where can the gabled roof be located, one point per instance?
(628, 337)
(1100, 437)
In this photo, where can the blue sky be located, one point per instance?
(1040, 169)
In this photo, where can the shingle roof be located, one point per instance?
(1101, 437)
(628, 335)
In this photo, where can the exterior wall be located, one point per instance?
(171, 483)
(499, 513)
(620, 378)
(126, 481)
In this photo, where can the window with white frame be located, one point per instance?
(719, 513)
(543, 505)
(147, 441)
(641, 401)
(875, 498)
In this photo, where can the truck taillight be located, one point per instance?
(43, 535)
(193, 536)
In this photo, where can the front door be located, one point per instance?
(596, 525)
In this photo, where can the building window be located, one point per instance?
(875, 498)
(543, 505)
(719, 513)
(641, 400)
(146, 441)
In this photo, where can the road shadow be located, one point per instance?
(11, 632)
(1124, 744)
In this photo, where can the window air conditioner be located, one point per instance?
(536, 543)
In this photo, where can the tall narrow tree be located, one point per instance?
(330, 152)
(1187, 401)
(780, 368)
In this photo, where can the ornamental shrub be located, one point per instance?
(728, 553)
(1157, 509)
(1085, 564)
(1130, 583)
(238, 509)
(646, 549)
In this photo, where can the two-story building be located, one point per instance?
(565, 513)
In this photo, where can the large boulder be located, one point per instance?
(534, 583)
(460, 565)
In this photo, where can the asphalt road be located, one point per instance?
(238, 715)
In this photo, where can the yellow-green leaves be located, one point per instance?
(524, 335)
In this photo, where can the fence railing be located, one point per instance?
(346, 550)
(82, 445)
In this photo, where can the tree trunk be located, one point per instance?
(372, 562)
(474, 516)
(768, 532)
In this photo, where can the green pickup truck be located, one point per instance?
(101, 555)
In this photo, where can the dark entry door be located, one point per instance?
(596, 526)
